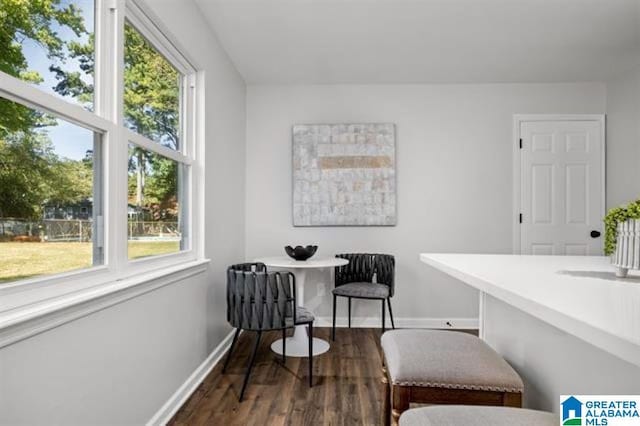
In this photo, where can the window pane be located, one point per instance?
(151, 91)
(154, 210)
(50, 203)
(50, 43)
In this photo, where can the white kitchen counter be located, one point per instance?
(579, 295)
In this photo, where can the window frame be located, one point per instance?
(136, 17)
(107, 120)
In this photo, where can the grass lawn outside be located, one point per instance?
(138, 249)
(26, 260)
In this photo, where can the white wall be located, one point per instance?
(120, 365)
(454, 156)
(114, 367)
(623, 138)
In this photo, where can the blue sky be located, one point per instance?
(70, 141)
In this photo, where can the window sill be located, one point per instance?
(20, 323)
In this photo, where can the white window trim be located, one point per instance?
(152, 146)
(23, 300)
(19, 91)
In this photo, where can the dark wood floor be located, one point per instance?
(347, 388)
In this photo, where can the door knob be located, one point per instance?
(595, 234)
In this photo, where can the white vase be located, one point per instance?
(627, 254)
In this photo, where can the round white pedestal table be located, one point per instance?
(298, 345)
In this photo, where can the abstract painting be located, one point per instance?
(344, 174)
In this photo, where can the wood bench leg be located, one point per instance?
(386, 399)
(512, 399)
(400, 397)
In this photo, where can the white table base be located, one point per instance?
(298, 345)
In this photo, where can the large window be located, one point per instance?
(49, 199)
(97, 143)
(153, 109)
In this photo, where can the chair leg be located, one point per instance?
(250, 366)
(233, 344)
(284, 345)
(391, 313)
(310, 354)
(349, 312)
(383, 315)
(333, 331)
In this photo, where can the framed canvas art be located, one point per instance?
(344, 174)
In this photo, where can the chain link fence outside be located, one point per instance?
(80, 230)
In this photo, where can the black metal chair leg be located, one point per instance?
(391, 313)
(233, 344)
(349, 312)
(383, 315)
(250, 366)
(284, 345)
(310, 354)
(333, 332)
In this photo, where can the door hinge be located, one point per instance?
(520, 143)
(520, 218)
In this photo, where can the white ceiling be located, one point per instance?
(428, 41)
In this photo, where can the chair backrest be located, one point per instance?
(367, 267)
(249, 266)
(260, 300)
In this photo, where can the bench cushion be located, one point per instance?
(371, 290)
(446, 359)
(456, 415)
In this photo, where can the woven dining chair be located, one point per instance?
(259, 301)
(366, 276)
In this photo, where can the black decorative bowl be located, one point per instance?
(301, 253)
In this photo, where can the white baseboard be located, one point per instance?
(373, 322)
(171, 407)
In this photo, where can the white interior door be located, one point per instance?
(562, 187)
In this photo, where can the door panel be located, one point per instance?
(561, 187)
(542, 193)
(576, 193)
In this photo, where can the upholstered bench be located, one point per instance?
(444, 367)
(457, 415)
